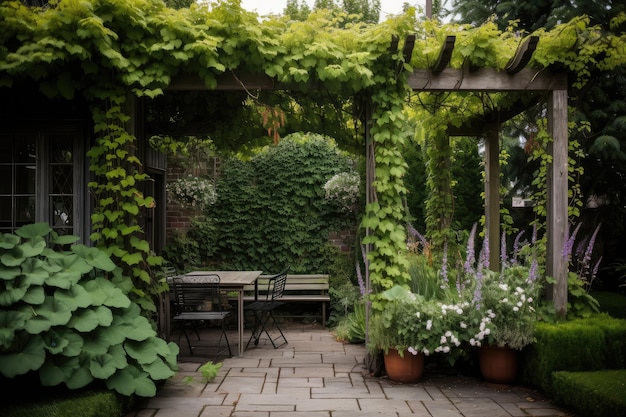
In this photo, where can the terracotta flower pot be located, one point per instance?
(406, 369)
(498, 364)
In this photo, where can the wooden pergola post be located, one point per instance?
(492, 195)
(557, 217)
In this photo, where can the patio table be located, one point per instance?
(234, 280)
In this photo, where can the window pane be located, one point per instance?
(24, 180)
(5, 210)
(25, 210)
(61, 180)
(61, 147)
(25, 149)
(5, 182)
(61, 211)
(6, 149)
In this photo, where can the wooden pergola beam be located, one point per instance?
(523, 54)
(407, 50)
(486, 80)
(445, 54)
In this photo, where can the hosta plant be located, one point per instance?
(65, 315)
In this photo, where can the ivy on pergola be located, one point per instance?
(440, 78)
(112, 52)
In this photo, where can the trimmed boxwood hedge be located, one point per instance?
(84, 404)
(592, 394)
(590, 344)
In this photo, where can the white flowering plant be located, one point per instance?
(411, 323)
(343, 190)
(503, 304)
(192, 192)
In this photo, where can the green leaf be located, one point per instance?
(34, 230)
(159, 370)
(74, 297)
(50, 313)
(94, 257)
(103, 292)
(86, 320)
(131, 381)
(80, 378)
(26, 354)
(10, 322)
(14, 291)
(8, 241)
(102, 366)
(55, 342)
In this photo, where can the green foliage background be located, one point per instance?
(271, 210)
(112, 52)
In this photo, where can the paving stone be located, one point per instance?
(327, 404)
(246, 384)
(442, 409)
(372, 404)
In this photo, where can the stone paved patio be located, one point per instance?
(316, 376)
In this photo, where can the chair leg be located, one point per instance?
(255, 328)
(225, 336)
(282, 335)
(263, 321)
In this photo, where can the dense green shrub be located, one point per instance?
(87, 404)
(271, 210)
(591, 344)
(592, 394)
(66, 317)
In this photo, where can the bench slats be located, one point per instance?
(298, 288)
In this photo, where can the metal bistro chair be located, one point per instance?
(197, 299)
(263, 311)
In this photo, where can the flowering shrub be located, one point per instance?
(343, 191)
(195, 192)
(412, 323)
(469, 307)
(502, 303)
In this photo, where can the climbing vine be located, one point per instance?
(111, 52)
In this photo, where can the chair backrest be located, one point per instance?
(197, 293)
(276, 285)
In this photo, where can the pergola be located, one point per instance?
(440, 78)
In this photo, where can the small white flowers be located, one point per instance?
(343, 190)
(192, 191)
(429, 324)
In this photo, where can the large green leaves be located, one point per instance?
(26, 354)
(62, 318)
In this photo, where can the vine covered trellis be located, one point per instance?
(110, 52)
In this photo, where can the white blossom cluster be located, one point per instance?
(483, 329)
(195, 192)
(343, 190)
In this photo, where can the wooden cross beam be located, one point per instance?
(444, 55)
(523, 54)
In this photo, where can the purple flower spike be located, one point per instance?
(569, 244)
(360, 279)
(516, 247)
(592, 242)
(503, 257)
(469, 260)
(444, 264)
(483, 258)
(532, 272)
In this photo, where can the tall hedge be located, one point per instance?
(271, 210)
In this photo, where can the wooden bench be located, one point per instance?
(299, 288)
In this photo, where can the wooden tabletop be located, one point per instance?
(230, 278)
